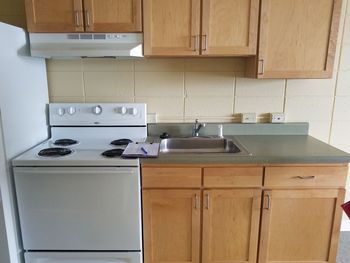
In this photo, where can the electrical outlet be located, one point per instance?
(277, 117)
(152, 118)
(249, 118)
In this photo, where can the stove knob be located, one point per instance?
(61, 111)
(97, 110)
(133, 111)
(71, 110)
(122, 110)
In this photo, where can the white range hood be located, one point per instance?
(49, 45)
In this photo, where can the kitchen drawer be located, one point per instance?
(321, 176)
(171, 177)
(233, 177)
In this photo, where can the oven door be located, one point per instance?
(79, 208)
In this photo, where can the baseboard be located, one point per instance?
(345, 225)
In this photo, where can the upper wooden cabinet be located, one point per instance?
(54, 16)
(113, 15)
(229, 27)
(176, 28)
(83, 15)
(297, 39)
(171, 28)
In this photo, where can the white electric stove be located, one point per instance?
(78, 199)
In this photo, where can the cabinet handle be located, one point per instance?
(261, 62)
(207, 201)
(77, 18)
(268, 202)
(194, 43)
(196, 201)
(205, 42)
(305, 177)
(87, 17)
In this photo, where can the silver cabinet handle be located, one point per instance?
(77, 18)
(205, 42)
(262, 72)
(87, 17)
(268, 202)
(305, 177)
(194, 43)
(207, 201)
(196, 201)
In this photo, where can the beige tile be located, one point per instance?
(215, 64)
(346, 25)
(309, 108)
(208, 106)
(64, 65)
(208, 119)
(343, 84)
(342, 109)
(340, 133)
(342, 21)
(336, 60)
(159, 65)
(209, 83)
(110, 99)
(166, 119)
(107, 64)
(320, 130)
(109, 84)
(67, 99)
(259, 105)
(164, 84)
(170, 107)
(65, 84)
(345, 57)
(246, 87)
(310, 87)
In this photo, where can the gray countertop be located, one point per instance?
(265, 149)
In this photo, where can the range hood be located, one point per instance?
(49, 45)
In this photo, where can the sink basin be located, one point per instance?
(200, 145)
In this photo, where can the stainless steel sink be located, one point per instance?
(201, 145)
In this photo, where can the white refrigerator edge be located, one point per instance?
(23, 123)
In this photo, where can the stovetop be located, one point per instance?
(83, 153)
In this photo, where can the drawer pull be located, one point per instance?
(305, 177)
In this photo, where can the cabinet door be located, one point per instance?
(231, 225)
(298, 38)
(230, 27)
(300, 226)
(171, 28)
(171, 225)
(113, 15)
(54, 16)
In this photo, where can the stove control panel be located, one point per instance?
(99, 114)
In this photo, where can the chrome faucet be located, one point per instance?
(196, 127)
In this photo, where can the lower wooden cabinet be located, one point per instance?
(231, 225)
(171, 224)
(300, 226)
(242, 214)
